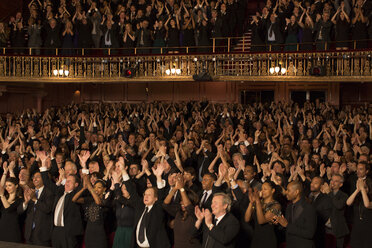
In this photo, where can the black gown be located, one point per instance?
(264, 235)
(342, 33)
(360, 35)
(10, 230)
(128, 44)
(362, 225)
(173, 39)
(307, 38)
(95, 235)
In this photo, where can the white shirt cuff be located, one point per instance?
(42, 169)
(126, 177)
(85, 171)
(161, 184)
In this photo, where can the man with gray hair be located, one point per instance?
(220, 227)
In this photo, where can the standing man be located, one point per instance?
(299, 220)
(336, 224)
(67, 220)
(149, 217)
(220, 229)
(39, 209)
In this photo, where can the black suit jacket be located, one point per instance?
(113, 35)
(300, 232)
(222, 235)
(207, 204)
(338, 220)
(276, 29)
(323, 208)
(73, 223)
(40, 214)
(71, 213)
(155, 226)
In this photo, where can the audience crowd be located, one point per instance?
(124, 24)
(193, 174)
(339, 24)
(284, 24)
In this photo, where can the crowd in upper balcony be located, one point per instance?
(123, 24)
(286, 25)
(320, 25)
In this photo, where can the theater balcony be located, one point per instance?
(222, 75)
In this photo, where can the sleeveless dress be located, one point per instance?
(264, 235)
(10, 230)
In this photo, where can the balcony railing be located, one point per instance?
(344, 65)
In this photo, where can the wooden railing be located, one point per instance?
(350, 65)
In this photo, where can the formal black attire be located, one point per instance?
(10, 230)
(66, 234)
(337, 219)
(39, 219)
(362, 225)
(360, 34)
(223, 234)
(257, 43)
(274, 30)
(153, 220)
(205, 199)
(323, 34)
(301, 227)
(323, 208)
(264, 235)
(238, 209)
(173, 44)
(143, 39)
(95, 235)
(342, 33)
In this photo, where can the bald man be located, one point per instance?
(299, 220)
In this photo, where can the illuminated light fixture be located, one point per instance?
(60, 72)
(178, 71)
(167, 71)
(277, 69)
(66, 73)
(272, 70)
(55, 72)
(283, 70)
(128, 73)
(195, 59)
(213, 59)
(173, 70)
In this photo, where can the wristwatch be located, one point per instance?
(182, 189)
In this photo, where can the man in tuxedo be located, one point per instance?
(67, 220)
(250, 177)
(143, 37)
(220, 229)
(322, 205)
(39, 208)
(209, 189)
(274, 34)
(149, 217)
(110, 38)
(204, 157)
(336, 224)
(316, 146)
(299, 220)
